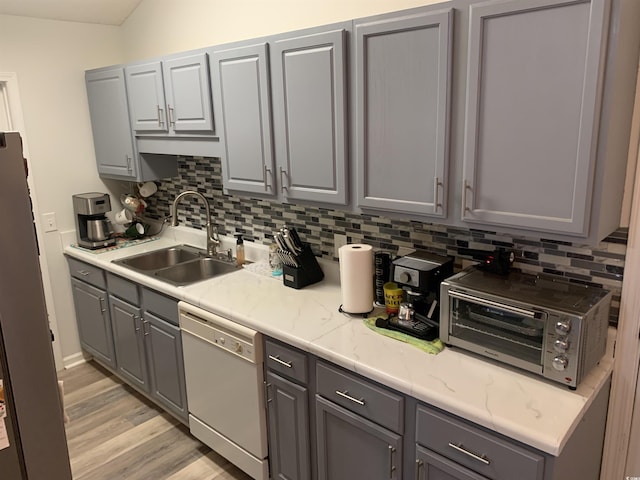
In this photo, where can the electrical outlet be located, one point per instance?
(49, 222)
(339, 241)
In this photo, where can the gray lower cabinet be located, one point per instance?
(128, 339)
(402, 69)
(359, 427)
(132, 330)
(94, 322)
(538, 153)
(309, 87)
(431, 466)
(91, 302)
(288, 412)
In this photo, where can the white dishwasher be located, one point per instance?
(225, 392)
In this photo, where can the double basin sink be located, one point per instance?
(180, 265)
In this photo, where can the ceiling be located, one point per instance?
(105, 12)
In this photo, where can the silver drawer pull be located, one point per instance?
(281, 362)
(419, 465)
(346, 395)
(84, 273)
(461, 449)
(392, 467)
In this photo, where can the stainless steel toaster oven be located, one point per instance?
(555, 328)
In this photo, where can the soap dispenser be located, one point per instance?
(239, 250)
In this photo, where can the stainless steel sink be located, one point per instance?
(196, 270)
(161, 258)
(180, 265)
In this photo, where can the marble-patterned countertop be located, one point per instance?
(512, 402)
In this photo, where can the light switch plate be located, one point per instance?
(49, 222)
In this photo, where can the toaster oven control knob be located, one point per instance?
(561, 345)
(560, 362)
(405, 277)
(563, 327)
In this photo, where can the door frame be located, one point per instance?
(9, 83)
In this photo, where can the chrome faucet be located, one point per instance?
(212, 232)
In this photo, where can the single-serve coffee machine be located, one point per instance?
(419, 274)
(93, 229)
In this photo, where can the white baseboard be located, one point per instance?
(75, 359)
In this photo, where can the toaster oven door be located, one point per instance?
(508, 333)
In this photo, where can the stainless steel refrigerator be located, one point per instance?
(37, 446)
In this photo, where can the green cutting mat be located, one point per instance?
(433, 347)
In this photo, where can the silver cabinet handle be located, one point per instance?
(419, 465)
(436, 185)
(135, 323)
(145, 326)
(160, 116)
(465, 187)
(461, 449)
(102, 306)
(171, 120)
(345, 394)
(282, 185)
(266, 391)
(281, 362)
(392, 467)
(84, 273)
(128, 163)
(267, 171)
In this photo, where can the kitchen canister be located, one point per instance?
(356, 278)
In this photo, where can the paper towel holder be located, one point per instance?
(362, 315)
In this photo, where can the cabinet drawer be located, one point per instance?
(87, 273)
(480, 451)
(356, 394)
(286, 361)
(123, 289)
(160, 305)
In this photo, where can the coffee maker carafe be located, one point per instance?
(93, 229)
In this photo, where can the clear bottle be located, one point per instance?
(275, 262)
(239, 250)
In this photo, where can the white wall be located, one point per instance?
(49, 58)
(159, 27)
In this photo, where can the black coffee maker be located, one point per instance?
(419, 274)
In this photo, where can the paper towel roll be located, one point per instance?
(356, 277)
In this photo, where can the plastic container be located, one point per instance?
(239, 250)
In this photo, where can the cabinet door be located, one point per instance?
(288, 408)
(129, 342)
(112, 135)
(166, 364)
(310, 124)
(402, 69)
(94, 324)
(431, 466)
(240, 78)
(146, 97)
(531, 113)
(188, 94)
(350, 446)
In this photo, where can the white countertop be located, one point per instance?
(514, 403)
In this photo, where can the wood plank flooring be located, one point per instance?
(115, 433)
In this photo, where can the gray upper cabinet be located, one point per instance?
(171, 96)
(240, 80)
(310, 124)
(402, 88)
(112, 136)
(532, 111)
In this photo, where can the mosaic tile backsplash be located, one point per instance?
(257, 219)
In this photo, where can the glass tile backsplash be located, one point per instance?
(257, 219)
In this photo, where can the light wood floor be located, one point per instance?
(115, 433)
